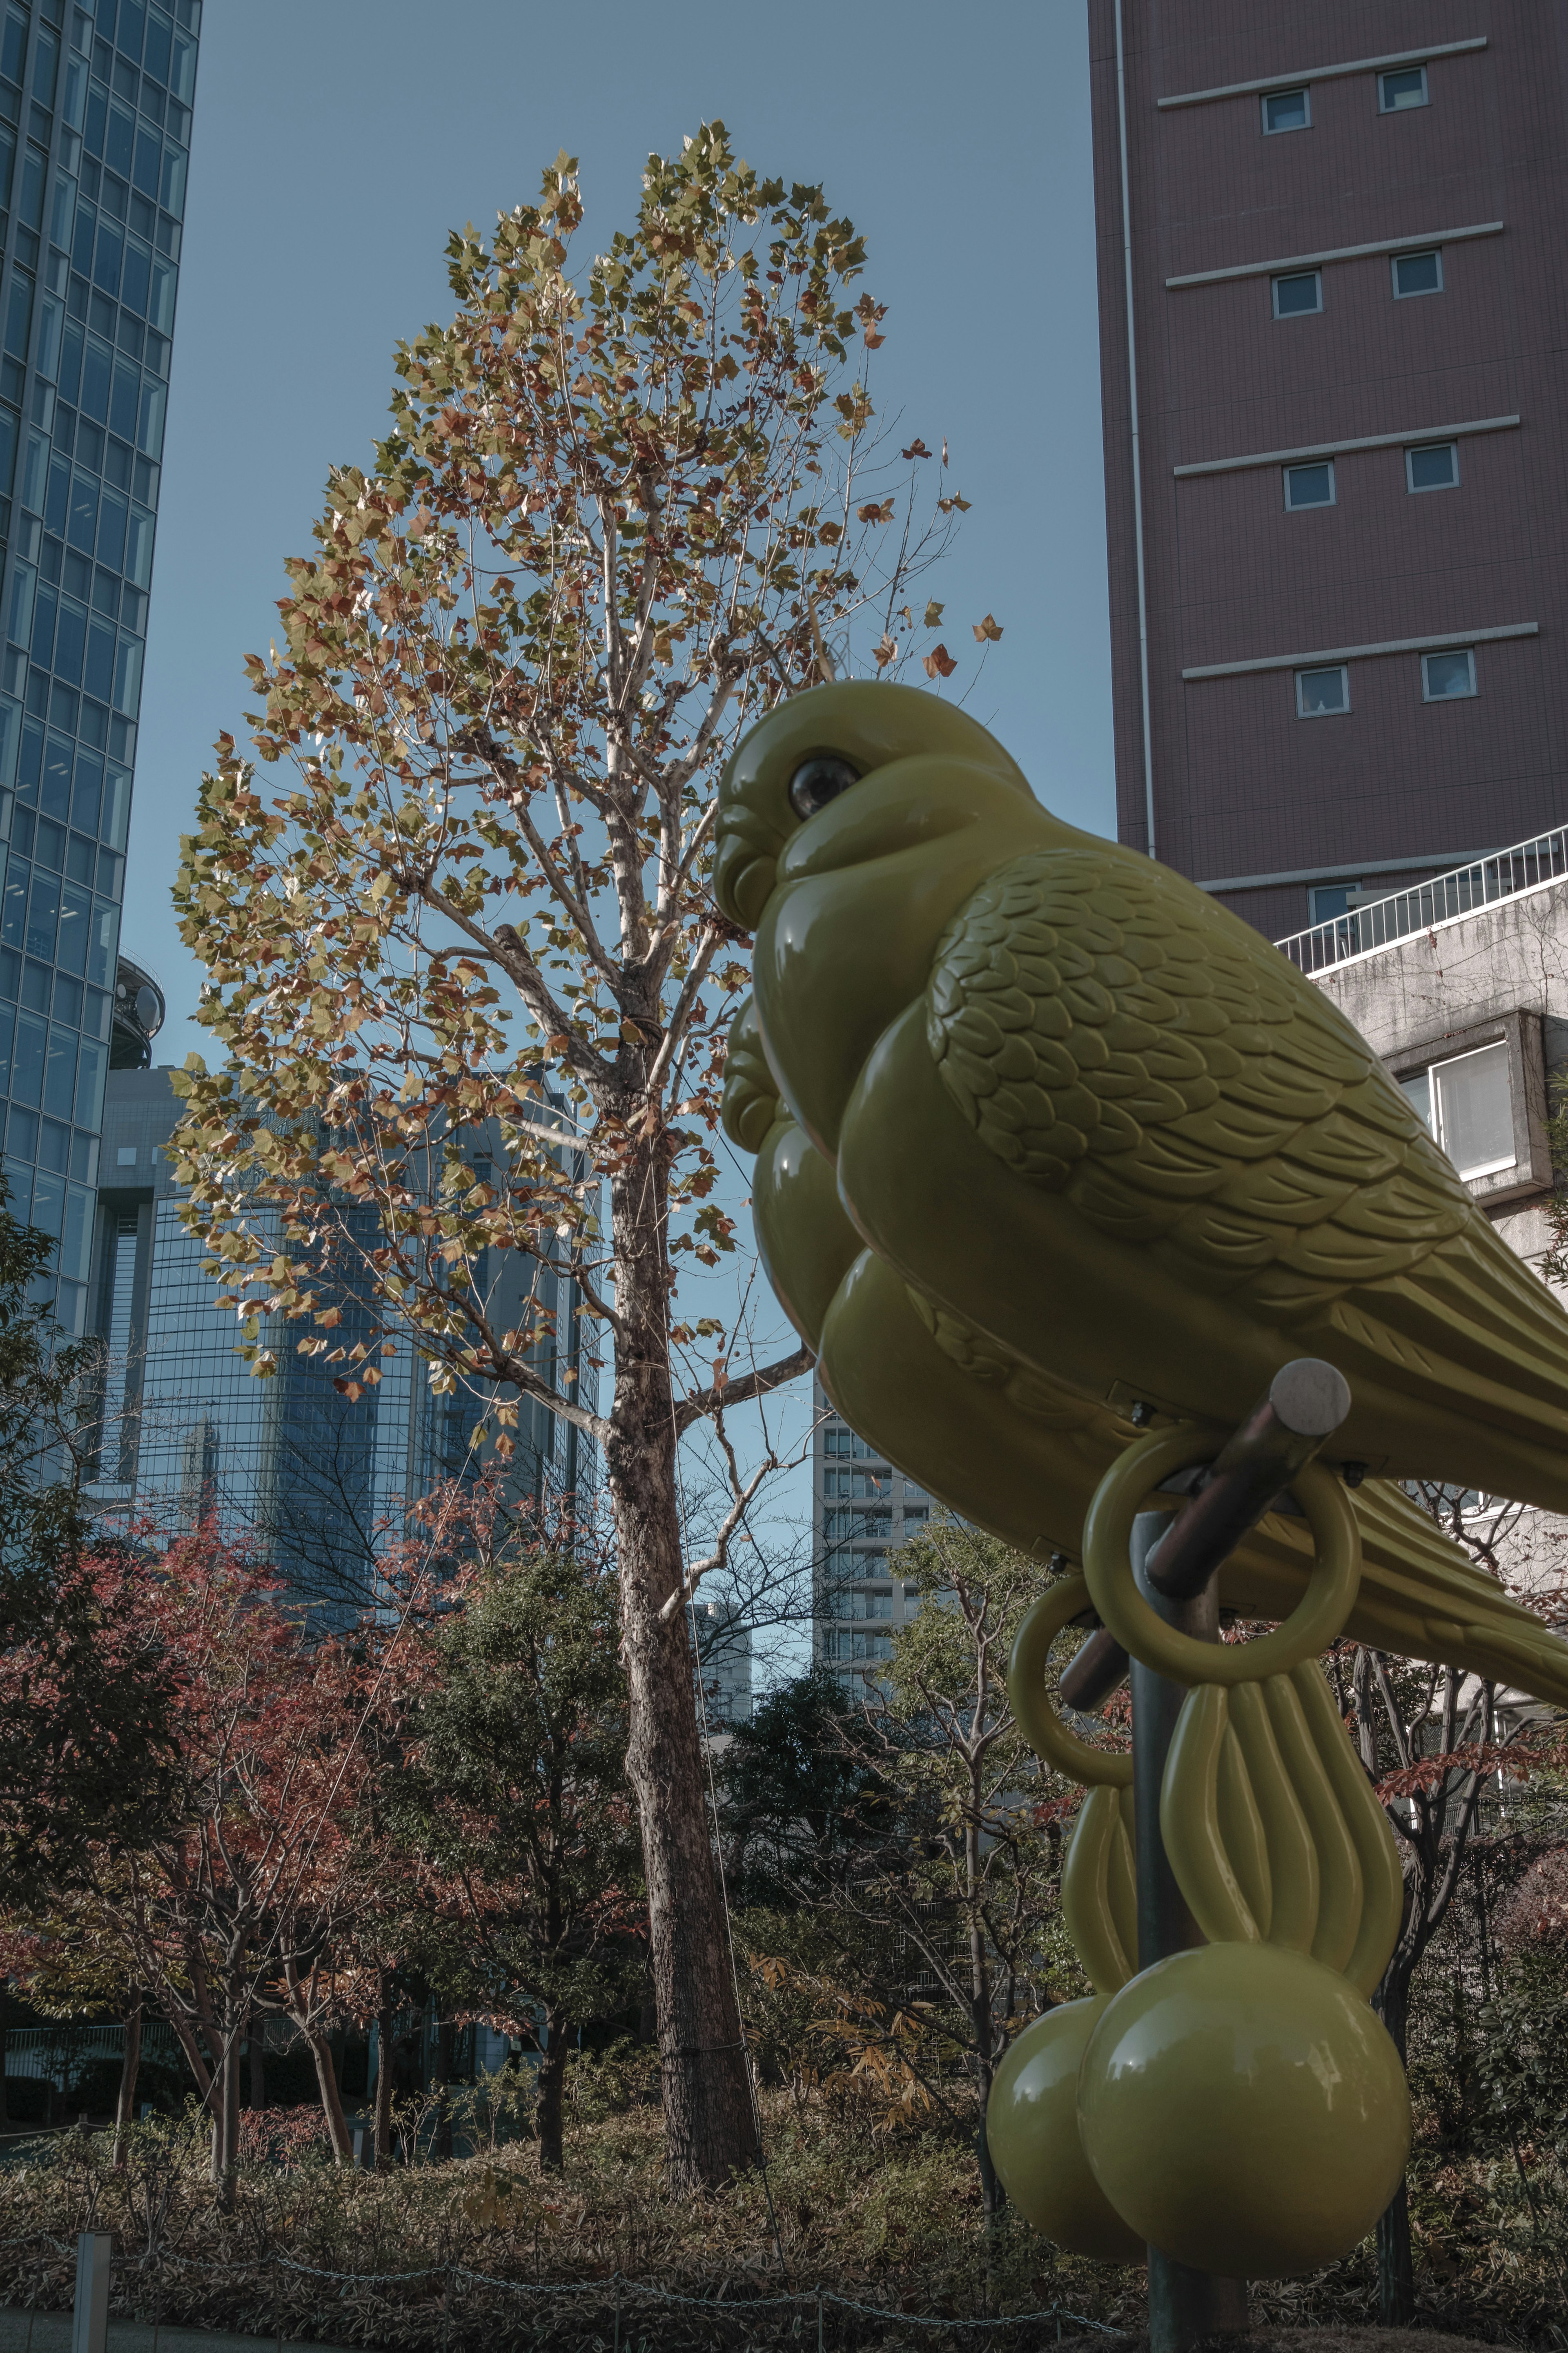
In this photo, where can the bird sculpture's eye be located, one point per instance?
(819, 780)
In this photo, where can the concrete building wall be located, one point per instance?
(1431, 995)
(1498, 974)
(1243, 786)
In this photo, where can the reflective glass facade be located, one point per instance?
(94, 136)
(321, 1482)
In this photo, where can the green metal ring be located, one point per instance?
(1127, 1488)
(1037, 1720)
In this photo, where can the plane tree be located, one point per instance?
(463, 964)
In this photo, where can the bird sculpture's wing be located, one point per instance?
(1111, 1040)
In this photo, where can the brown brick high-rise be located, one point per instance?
(1347, 238)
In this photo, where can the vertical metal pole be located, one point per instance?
(1186, 2306)
(90, 2318)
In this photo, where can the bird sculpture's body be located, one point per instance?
(1015, 1451)
(1087, 1112)
(1044, 1134)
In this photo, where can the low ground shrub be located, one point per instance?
(889, 2221)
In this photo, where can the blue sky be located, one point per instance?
(338, 140)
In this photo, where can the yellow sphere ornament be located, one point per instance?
(1244, 2109)
(1031, 2129)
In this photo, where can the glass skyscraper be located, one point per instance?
(95, 116)
(320, 1482)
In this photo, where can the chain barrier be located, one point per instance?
(613, 2282)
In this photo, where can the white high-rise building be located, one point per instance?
(862, 1510)
(725, 1664)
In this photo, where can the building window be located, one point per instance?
(861, 1605)
(1434, 466)
(1447, 677)
(1310, 486)
(1287, 110)
(1417, 273)
(1296, 295)
(1404, 87)
(1468, 1106)
(855, 1483)
(1320, 693)
(845, 1444)
(1329, 901)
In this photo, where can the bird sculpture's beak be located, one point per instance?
(855, 720)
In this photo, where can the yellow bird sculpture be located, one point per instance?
(1085, 1111)
(1012, 1450)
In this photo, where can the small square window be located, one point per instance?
(1417, 273)
(125, 1157)
(1287, 110)
(1406, 87)
(1445, 677)
(1432, 466)
(1296, 295)
(1321, 694)
(1330, 901)
(1310, 486)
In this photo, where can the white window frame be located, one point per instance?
(1310, 466)
(1410, 104)
(1288, 90)
(1449, 1062)
(1289, 277)
(1446, 653)
(1419, 490)
(1529, 1170)
(1316, 670)
(1416, 253)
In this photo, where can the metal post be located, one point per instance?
(1186, 2306)
(90, 2318)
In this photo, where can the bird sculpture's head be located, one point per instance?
(853, 822)
(811, 751)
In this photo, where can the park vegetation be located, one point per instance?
(422, 1819)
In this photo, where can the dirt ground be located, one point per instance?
(1302, 2340)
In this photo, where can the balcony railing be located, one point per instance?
(1527, 867)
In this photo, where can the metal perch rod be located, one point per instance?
(1308, 1400)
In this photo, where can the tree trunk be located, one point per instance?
(550, 2089)
(710, 2132)
(5, 2110)
(385, 2023)
(441, 2141)
(226, 2122)
(1395, 2261)
(326, 2074)
(129, 2067)
(193, 2051)
(991, 2192)
(332, 2098)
